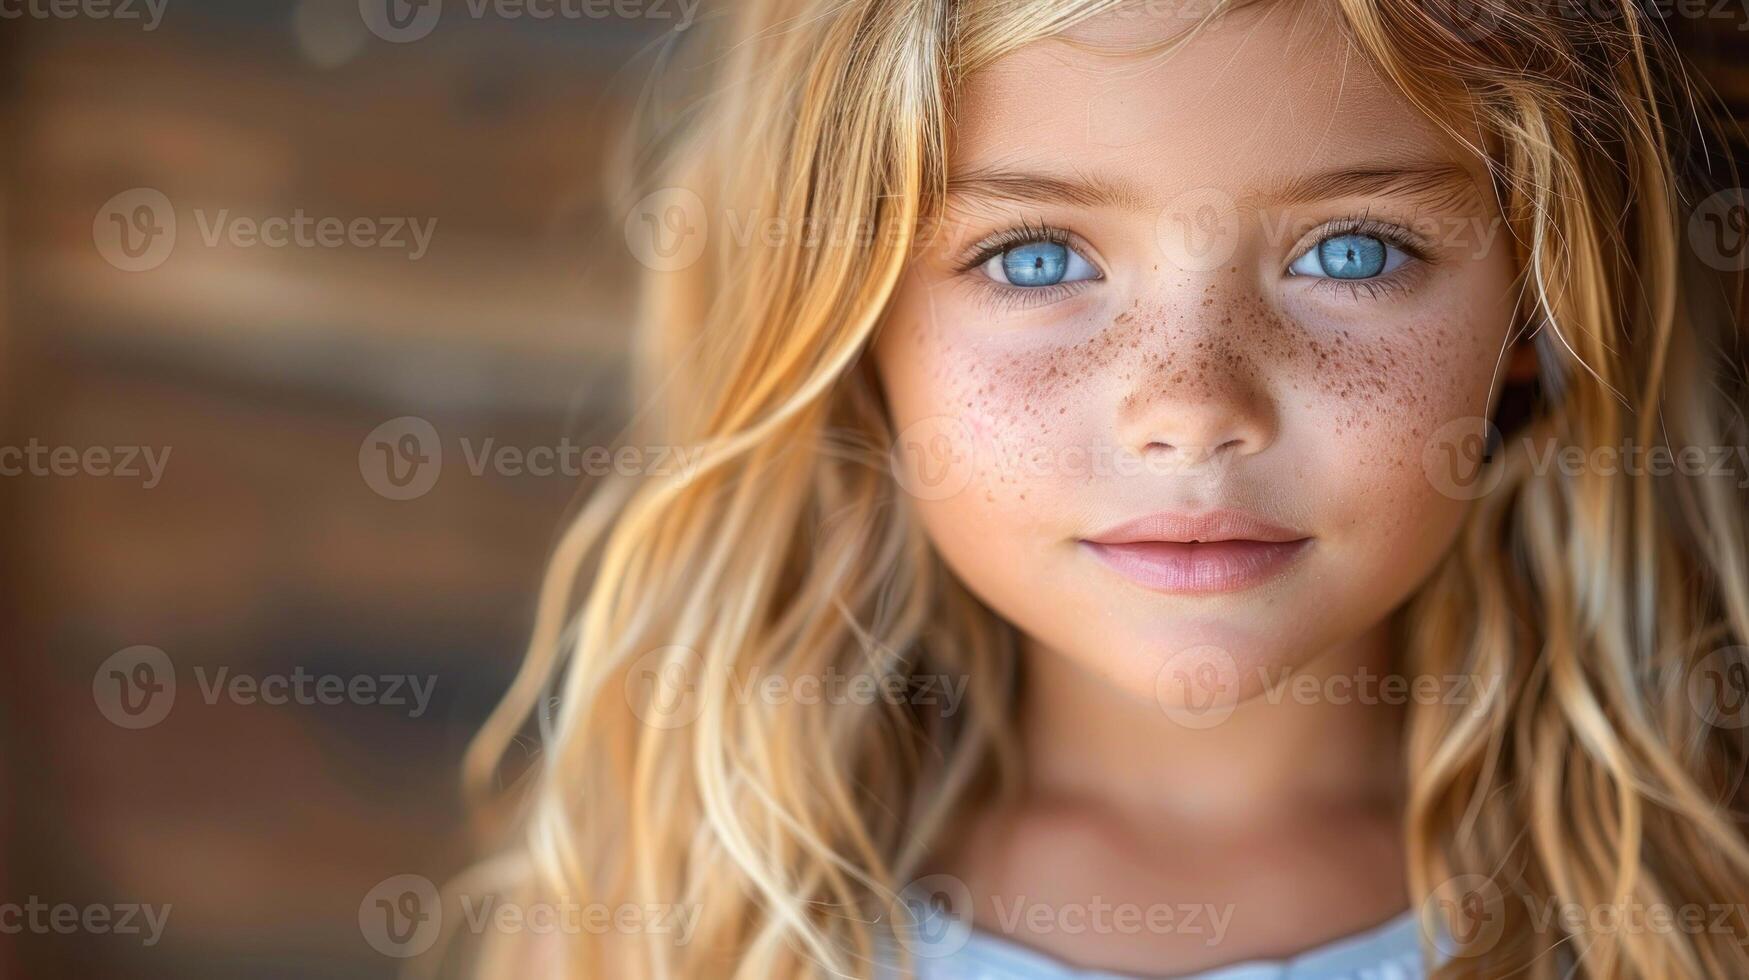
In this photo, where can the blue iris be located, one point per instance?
(1036, 264)
(1351, 256)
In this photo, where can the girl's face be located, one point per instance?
(1245, 293)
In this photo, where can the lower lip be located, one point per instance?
(1199, 568)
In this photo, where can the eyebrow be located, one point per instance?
(1020, 187)
(1431, 180)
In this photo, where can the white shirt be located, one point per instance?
(945, 948)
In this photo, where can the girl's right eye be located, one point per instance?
(1040, 263)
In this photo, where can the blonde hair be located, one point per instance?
(786, 550)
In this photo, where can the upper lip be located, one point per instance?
(1214, 525)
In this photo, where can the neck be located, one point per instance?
(1084, 738)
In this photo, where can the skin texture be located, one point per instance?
(1195, 373)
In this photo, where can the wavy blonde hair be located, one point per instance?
(1587, 778)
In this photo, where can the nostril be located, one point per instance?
(1199, 449)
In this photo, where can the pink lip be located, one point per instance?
(1195, 554)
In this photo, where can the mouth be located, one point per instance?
(1198, 554)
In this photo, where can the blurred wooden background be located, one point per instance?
(263, 369)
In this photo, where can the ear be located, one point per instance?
(1521, 361)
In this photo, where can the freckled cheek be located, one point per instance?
(1030, 440)
(1374, 426)
(1020, 432)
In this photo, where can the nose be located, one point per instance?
(1198, 398)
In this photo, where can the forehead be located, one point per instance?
(1251, 98)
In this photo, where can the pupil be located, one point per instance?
(1036, 264)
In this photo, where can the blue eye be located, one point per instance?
(1348, 256)
(1036, 264)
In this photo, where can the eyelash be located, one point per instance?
(995, 244)
(1395, 236)
(1392, 235)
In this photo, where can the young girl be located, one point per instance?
(1179, 491)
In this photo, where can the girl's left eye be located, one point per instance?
(1036, 264)
(1349, 256)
